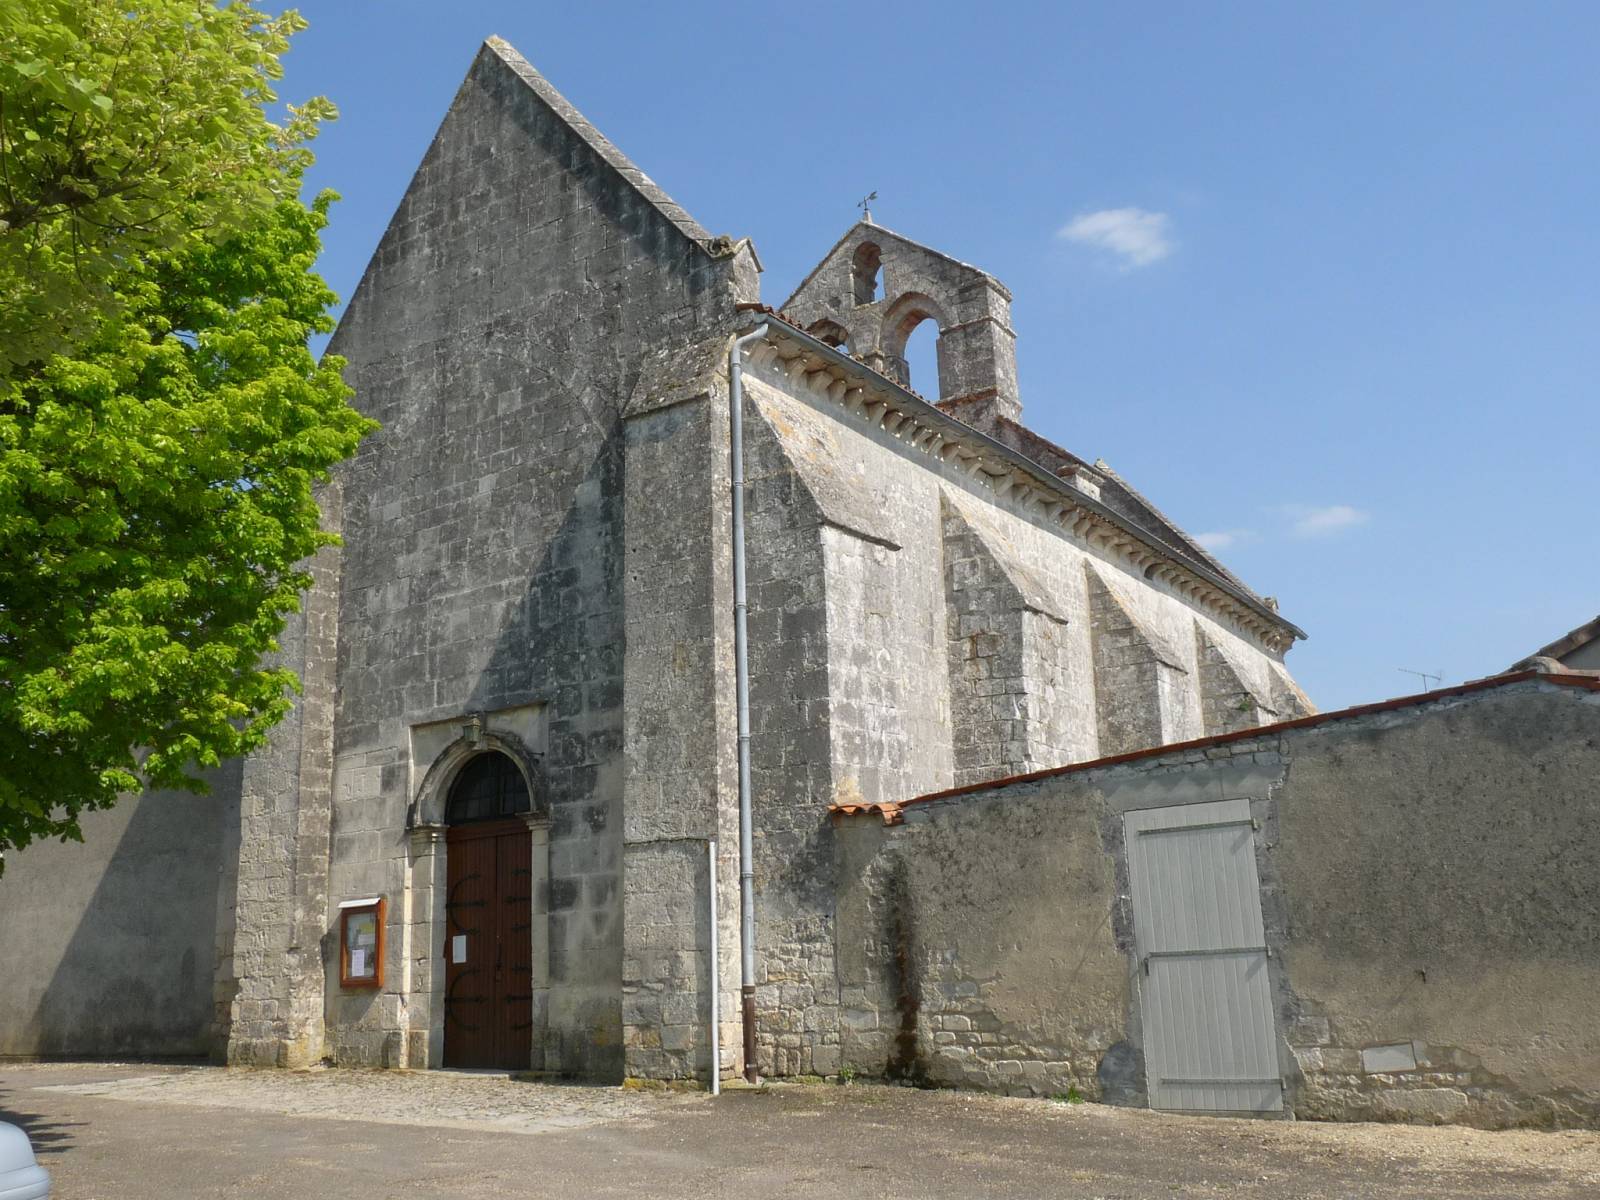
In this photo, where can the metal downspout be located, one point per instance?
(716, 972)
(741, 676)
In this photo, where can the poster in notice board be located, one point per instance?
(361, 943)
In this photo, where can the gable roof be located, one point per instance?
(598, 142)
(995, 458)
(879, 232)
(1122, 496)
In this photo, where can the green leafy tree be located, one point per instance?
(163, 422)
(127, 128)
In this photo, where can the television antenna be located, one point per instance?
(1436, 676)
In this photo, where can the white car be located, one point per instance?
(21, 1178)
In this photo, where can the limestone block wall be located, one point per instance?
(985, 618)
(497, 335)
(679, 785)
(1426, 891)
(272, 940)
(889, 710)
(909, 631)
(791, 752)
(1021, 670)
(666, 964)
(1232, 696)
(1144, 676)
(1057, 677)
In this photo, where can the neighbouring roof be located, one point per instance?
(1567, 643)
(892, 810)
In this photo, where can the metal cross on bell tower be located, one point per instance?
(862, 204)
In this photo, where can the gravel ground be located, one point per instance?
(432, 1099)
(140, 1132)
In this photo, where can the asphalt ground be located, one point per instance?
(130, 1132)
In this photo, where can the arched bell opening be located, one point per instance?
(865, 266)
(912, 327)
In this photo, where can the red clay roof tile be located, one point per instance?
(891, 810)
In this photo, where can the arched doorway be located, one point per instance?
(488, 944)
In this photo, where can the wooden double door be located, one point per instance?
(488, 946)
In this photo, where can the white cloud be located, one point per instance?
(1137, 237)
(1221, 539)
(1319, 522)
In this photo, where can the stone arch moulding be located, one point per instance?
(900, 319)
(427, 809)
(427, 886)
(830, 333)
(905, 314)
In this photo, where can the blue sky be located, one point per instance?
(1323, 281)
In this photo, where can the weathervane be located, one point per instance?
(866, 213)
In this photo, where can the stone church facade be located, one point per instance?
(536, 566)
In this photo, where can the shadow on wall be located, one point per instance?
(124, 928)
(556, 639)
(562, 643)
(507, 316)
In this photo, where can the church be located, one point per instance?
(633, 556)
(695, 692)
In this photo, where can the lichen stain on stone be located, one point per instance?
(777, 421)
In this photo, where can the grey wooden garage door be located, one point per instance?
(1209, 1036)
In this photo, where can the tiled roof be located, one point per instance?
(1260, 614)
(1567, 643)
(1122, 496)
